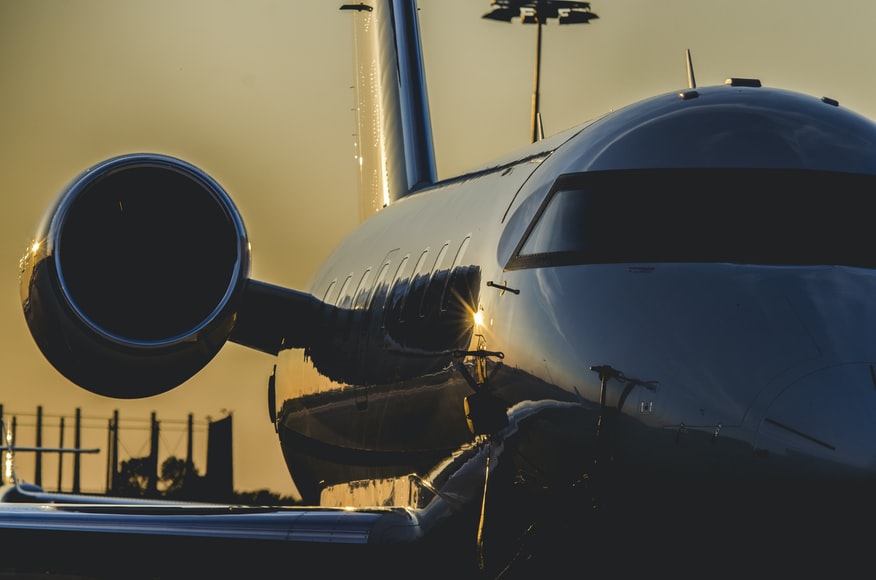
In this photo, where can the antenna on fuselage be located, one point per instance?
(691, 80)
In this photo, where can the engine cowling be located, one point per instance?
(135, 276)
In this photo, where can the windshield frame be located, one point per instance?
(705, 215)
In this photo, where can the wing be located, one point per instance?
(98, 537)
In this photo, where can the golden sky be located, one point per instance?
(257, 94)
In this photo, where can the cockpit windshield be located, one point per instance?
(743, 216)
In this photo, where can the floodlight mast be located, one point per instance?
(538, 12)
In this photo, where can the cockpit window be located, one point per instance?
(559, 228)
(743, 216)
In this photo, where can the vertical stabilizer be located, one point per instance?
(394, 150)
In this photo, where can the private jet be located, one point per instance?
(643, 343)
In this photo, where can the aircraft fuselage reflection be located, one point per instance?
(690, 279)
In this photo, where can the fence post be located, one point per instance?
(152, 489)
(38, 464)
(61, 455)
(77, 444)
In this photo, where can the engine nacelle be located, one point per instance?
(133, 282)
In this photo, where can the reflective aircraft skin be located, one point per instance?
(667, 312)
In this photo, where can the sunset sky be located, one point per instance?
(258, 94)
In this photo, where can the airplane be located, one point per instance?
(645, 343)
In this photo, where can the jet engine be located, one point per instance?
(135, 277)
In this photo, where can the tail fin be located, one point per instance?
(394, 149)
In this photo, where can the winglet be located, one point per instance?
(691, 80)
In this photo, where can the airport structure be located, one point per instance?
(538, 12)
(216, 484)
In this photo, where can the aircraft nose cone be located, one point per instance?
(824, 424)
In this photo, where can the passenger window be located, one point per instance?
(457, 262)
(363, 291)
(396, 287)
(416, 284)
(400, 271)
(379, 283)
(344, 298)
(328, 291)
(431, 282)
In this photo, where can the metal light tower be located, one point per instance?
(539, 12)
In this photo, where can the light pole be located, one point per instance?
(538, 12)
